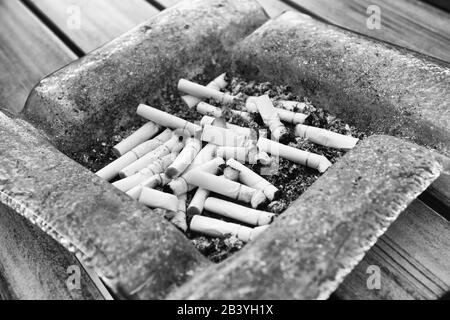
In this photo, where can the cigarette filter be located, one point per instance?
(271, 118)
(158, 180)
(218, 84)
(175, 144)
(179, 220)
(308, 159)
(157, 199)
(181, 186)
(222, 229)
(225, 187)
(167, 120)
(203, 92)
(185, 158)
(326, 138)
(147, 131)
(155, 168)
(253, 180)
(198, 202)
(112, 170)
(240, 213)
(223, 137)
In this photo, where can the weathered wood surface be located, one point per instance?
(28, 52)
(407, 23)
(412, 256)
(91, 23)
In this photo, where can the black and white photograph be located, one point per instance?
(224, 156)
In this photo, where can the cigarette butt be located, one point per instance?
(207, 120)
(209, 110)
(225, 187)
(112, 170)
(254, 180)
(326, 138)
(167, 120)
(291, 117)
(271, 118)
(218, 84)
(304, 158)
(223, 137)
(293, 106)
(158, 180)
(185, 158)
(156, 199)
(198, 202)
(155, 168)
(148, 146)
(146, 132)
(181, 186)
(179, 220)
(285, 114)
(203, 92)
(239, 213)
(221, 229)
(175, 144)
(204, 157)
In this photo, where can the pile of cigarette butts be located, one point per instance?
(177, 156)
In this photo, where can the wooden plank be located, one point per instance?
(273, 7)
(28, 52)
(413, 257)
(91, 23)
(407, 23)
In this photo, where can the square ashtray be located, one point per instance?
(400, 99)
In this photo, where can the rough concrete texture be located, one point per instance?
(135, 250)
(378, 87)
(33, 266)
(309, 250)
(101, 91)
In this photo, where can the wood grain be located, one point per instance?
(407, 23)
(100, 21)
(28, 52)
(413, 257)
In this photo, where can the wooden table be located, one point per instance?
(39, 36)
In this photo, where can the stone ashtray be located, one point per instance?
(383, 90)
